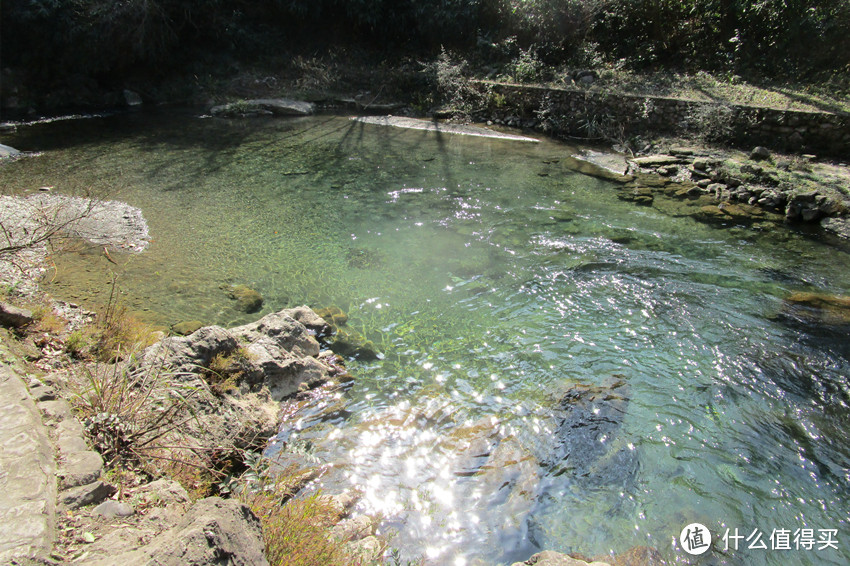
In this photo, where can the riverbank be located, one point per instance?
(713, 184)
(130, 452)
(125, 438)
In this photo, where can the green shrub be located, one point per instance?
(712, 122)
(527, 68)
(77, 344)
(454, 89)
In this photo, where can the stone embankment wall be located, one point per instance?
(587, 113)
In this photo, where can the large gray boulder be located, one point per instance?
(265, 106)
(213, 531)
(280, 330)
(190, 354)
(235, 379)
(282, 353)
(282, 372)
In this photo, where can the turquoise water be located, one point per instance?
(490, 276)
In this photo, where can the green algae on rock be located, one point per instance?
(247, 299)
(819, 308)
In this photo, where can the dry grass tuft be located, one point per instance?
(47, 321)
(297, 533)
(117, 332)
(129, 414)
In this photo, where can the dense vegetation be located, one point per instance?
(50, 44)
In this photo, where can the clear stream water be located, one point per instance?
(490, 276)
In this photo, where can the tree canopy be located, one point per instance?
(63, 40)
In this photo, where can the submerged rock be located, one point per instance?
(636, 194)
(637, 556)
(588, 418)
(818, 308)
(187, 327)
(333, 315)
(364, 258)
(351, 344)
(549, 558)
(247, 299)
(345, 342)
(729, 212)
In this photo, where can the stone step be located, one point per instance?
(27, 474)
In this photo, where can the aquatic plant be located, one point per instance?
(364, 258)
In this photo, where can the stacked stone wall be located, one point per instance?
(599, 114)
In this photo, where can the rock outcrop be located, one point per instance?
(212, 531)
(239, 376)
(734, 190)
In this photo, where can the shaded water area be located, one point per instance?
(492, 279)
